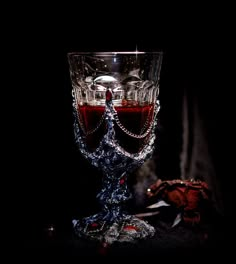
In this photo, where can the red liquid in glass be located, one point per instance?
(133, 118)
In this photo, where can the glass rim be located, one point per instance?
(114, 53)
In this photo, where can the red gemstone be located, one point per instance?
(94, 225)
(122, 181)
(130, 227)
(108, 95)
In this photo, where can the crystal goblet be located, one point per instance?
(115, 102)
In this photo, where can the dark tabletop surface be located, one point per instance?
(181, 241)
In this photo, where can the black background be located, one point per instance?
(50, 181)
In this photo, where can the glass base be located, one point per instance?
(127, 229)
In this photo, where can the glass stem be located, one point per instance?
(113, 196)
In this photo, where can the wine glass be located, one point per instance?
(115, 102)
